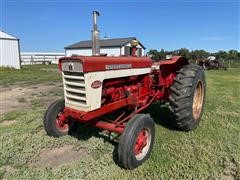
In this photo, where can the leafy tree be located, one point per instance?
(154, 54)
(184, 52)
(195, 54)
(232, 55)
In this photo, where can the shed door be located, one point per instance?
(127, 51)
(140, 52)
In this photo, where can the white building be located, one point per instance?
(111, 47)
(9, 51)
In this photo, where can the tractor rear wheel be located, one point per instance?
(136, 142)
(187, 97)
(55, 123)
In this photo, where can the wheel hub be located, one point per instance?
(198, 100)
(61, 122)
(142, 144)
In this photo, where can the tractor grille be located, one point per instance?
(74, 87)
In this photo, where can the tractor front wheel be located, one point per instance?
(55, 123)
(136, 142)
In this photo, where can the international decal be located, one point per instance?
(96, 84)
(118, 66)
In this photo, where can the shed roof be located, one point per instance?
(4, 35)
(117, 42)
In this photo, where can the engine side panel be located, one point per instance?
(93, 95)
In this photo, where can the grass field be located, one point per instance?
(210, 152)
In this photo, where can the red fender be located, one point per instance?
(175, 59)
(167, 70)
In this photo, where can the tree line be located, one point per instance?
(195, 54)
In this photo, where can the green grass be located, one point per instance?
(29, 75)
(212, 151)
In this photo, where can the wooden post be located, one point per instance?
(31, 59)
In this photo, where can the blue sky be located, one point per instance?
(49, 26)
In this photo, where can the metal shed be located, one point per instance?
(9, 51)
(111, 47)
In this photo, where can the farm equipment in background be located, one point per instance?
(111, 93)
(211, 63)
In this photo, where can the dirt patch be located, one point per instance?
(8, 123)
(8, 168)
(228, 177)
(231, 170)
(15, 98)
(46, 101)
(58, 156)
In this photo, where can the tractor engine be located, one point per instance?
(92, 82)
(128, 87)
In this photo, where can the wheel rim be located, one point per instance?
(198, 100)
(62, 123)
(204, 66)
(142, 144)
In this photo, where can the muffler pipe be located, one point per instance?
(95, 35)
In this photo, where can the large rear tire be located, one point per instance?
(136, 141)
(187, 97)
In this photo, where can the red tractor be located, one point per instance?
(211, 63)
(120, 88)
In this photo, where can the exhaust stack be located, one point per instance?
(95, 35)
